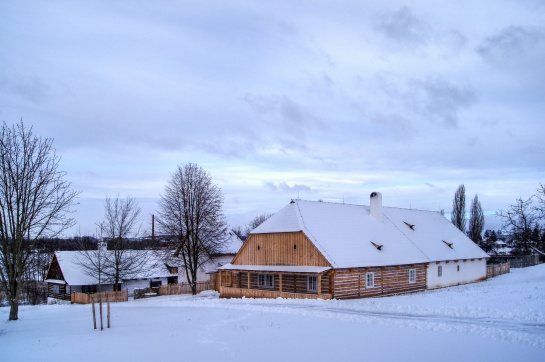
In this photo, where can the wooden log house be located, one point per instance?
(330, 250)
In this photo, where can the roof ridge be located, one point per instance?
(363, 205)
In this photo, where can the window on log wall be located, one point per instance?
(312, 284)
(265, 281)
(412, 276)
(370, 280)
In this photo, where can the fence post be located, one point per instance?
(94, 316)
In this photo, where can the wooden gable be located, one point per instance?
(55, 271)
(292, 248)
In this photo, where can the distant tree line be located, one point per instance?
(523, 224)
(244, 232)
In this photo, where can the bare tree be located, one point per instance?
(122, 221)
(458, 215)
(35, 201)
(540, 196)
(476, 221)
(191, 211)
(257, 220)
(518, 222)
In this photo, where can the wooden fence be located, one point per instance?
(171, 289)
(497, 269)
(183, 288)
(229, 292)
(113, 297)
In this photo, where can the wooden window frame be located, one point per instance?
(412, 276)
(265, 281)
(56, 289)
(312, 283)
(370, 280)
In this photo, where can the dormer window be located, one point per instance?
(448, 244)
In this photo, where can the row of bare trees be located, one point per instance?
(524, 223)
(36, 202)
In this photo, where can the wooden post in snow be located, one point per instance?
(108, 313)
(94, 314)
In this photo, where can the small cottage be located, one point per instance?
(66, 276)
(330, 250)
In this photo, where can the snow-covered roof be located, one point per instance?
(74, 274)
(231, 245)
(348, 236)
(277, 268)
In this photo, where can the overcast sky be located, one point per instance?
(283, 99)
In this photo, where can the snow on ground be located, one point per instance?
(501, 319)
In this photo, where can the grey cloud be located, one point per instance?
(439, 101)
(433, 187)
(284, 187)
(396, 124)
(33, 89)
(294, 117)
(403, 26)
(511, 43)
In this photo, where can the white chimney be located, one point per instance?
(376, 205)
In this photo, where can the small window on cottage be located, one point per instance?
(412, 276)
(312, 284)
(265, 281)
(370, 280)
(458, 267)
(56, 289)
(440, 271)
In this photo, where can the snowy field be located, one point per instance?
(501, 319)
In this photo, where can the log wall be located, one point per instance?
(351, 283)
(228, 292)
(62, 291)
(279, 249)
(291, 282)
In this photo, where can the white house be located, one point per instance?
(225, 255)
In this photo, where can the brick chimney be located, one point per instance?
(376, 205)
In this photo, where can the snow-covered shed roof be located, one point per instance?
(349, 236)
(75, 274)
(231, 245)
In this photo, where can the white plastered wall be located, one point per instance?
(469, 271)
(203, 272)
